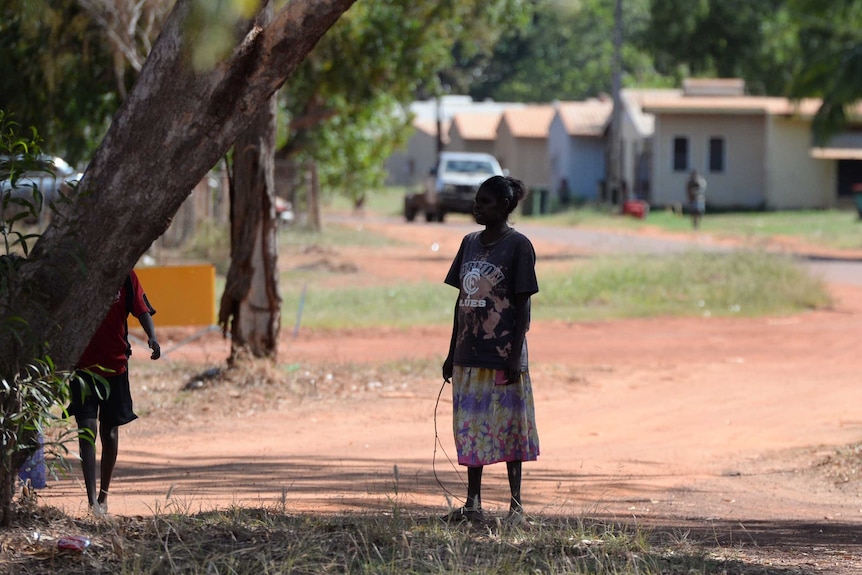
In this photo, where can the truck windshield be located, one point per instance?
(469, 167)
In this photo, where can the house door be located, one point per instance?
(849, 175)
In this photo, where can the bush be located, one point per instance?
(28, 393)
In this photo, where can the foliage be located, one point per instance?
(353, 147)
(830, 63)
(345, 106)
(28, 393)
(724, 38)
(57, 74)
(565, 54)
(71, 61)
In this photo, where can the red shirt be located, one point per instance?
(109, 345)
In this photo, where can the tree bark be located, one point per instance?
(250, 305)
(174, 127)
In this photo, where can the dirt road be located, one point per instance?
(704, 423)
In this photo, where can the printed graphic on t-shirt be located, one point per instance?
(483, 306)
(478, 278)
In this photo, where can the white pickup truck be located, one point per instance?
(451, 185)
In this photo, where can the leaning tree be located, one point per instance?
(177, 122)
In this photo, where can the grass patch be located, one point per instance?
(836, 229)
(385, 201)
(399, 305)
(748, 283)
(254, 541)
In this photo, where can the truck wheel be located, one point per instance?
(409, 211)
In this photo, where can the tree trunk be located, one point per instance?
(173, 128)
(251, 305)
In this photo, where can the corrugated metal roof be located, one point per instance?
(633, 100)
(530, 121)
(713, 86)
(587, 118)
(430, 126)
(754, 105)
(480, 126)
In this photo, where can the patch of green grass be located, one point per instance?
(244, 541)
(746, 283)
(384, 201)
(837, 229)
(400, 305)
(827, 228)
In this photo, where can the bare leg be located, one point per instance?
(474, 487)
(472, 509)
(87, 447)
(110, 444)
(514, 470)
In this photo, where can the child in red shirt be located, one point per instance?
(100, 388)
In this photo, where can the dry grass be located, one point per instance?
(256, 541)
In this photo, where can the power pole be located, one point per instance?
(613, 171)
(439, 117)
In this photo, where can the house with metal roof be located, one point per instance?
(755, 152)
(408, 166)
(473, 132)
(636, 134)
(522, 144)
(576, 149)
(578, 141)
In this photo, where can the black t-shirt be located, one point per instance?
(489, 277)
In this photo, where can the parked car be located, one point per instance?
(50, 175)
(284, 210)
(451, 185)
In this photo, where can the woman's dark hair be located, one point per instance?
(506, 188)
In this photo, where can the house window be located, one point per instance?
(680, 154)
(716, 154)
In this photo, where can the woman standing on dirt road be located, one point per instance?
(493, 413)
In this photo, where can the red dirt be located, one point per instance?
(691, 422)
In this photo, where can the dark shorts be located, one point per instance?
(91, 399)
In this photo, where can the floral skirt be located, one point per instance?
(492, 423)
